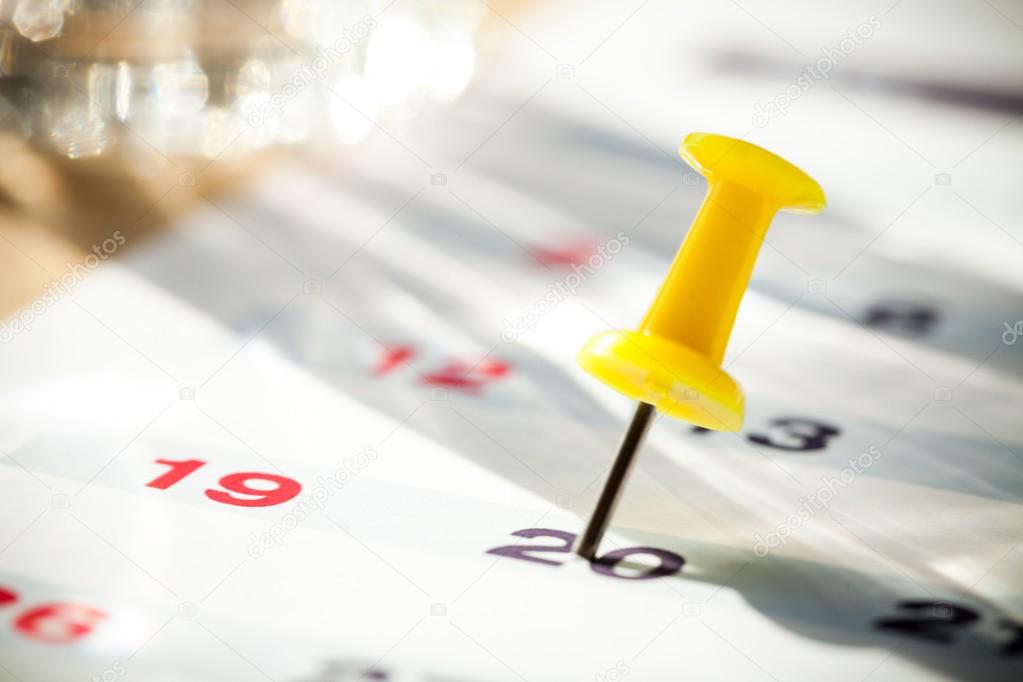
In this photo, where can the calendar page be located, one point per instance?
(330, 426)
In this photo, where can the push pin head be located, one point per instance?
(673, 360)
(725, 159)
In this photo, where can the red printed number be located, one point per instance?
(564, 256)
(54, 623)
(470, 377)
(393, 358)
(58, 623)
(237, 484)
(237, 489)
(462, 375)
(178, 470)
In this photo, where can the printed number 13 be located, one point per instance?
(237, 490)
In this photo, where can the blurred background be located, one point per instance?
(115, 113)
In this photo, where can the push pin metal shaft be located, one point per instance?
(672, 363)
(615, 483)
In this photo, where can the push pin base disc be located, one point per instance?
(675, 379)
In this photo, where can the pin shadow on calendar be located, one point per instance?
(542, 382)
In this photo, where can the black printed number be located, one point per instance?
(1013, 647)
(902, 317)
(940, 622)
(668, 563)
(936, 621)
(796, 434)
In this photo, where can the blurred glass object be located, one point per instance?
(152, 80)
(40, 19)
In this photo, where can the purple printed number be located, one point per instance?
(669, 563)
(527, 552)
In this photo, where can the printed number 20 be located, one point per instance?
(669, 563)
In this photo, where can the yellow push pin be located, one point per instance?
(673, 361)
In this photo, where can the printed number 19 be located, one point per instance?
(236, 487)
(178, 470)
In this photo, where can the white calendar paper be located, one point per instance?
(330, 426)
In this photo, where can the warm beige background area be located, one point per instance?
(54, 210)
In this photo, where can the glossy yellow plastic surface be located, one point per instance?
(673, 361)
